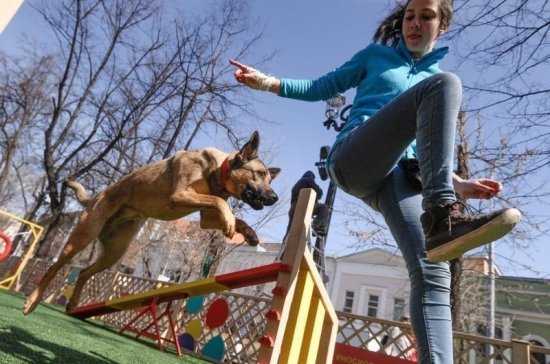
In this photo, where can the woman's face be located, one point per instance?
(421, 26)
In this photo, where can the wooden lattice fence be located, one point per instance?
(368, 332)
(246, 321)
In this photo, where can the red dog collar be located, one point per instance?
(224, 172)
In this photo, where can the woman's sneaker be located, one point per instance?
(450, 232)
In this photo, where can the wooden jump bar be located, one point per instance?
(224, 282)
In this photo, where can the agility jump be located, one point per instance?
(6, 242)
(301, 324)
(225, 282)
(36, 230)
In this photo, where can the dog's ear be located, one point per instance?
(274, 172)
(250, 150)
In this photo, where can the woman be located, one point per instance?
(405, 109)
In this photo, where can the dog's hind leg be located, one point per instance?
(85, 231)
(114, 240)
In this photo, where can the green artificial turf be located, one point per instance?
(49, 336)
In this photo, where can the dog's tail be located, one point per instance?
(81, 193)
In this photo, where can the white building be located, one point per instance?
(372, 282)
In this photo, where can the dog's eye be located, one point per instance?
(260, 174)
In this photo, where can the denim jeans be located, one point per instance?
(364, 165)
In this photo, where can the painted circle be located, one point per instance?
(214, 349)
(186, 341)
(194, 328)
(217, 313)
(68, 292)
(194, 304)
(7, 246)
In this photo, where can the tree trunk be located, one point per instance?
(463, 171)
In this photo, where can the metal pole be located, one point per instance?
(492, 293)
(320, 242)
(491, 297)
(329, 201)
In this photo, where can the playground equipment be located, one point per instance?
(148, 302)
(244, 278)
(301, 324)
(36, 231)
(5, 252)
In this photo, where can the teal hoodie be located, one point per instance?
(379, 73)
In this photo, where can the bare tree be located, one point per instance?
(82, 127)
(463, 171)
(24, 87)
(507, 43)
(130, 87)
(175, 249)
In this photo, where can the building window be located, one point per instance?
(398, 309)
(372, 306)
(348, 302)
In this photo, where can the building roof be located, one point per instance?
(376, 256)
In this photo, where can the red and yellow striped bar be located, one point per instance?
(224, 282)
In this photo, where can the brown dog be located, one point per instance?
(190, 181)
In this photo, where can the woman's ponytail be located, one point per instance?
(389, 29)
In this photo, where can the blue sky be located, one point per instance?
(311, 37)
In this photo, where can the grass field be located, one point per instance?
(49, 336)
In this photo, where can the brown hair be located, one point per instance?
(389, 29)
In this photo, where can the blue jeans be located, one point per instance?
(364, 165)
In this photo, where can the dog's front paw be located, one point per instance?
(250, 236)
(229, 227)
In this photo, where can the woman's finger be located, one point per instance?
(238, 64)
(496, 186)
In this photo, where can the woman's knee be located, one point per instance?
(434, 276)
(448, 80)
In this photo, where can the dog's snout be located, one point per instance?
(258, 198)
(271, 198)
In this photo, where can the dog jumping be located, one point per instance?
(190, 181)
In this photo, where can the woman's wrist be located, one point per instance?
(457, 179)
(275, 86)
(457, 183)
(265, 82)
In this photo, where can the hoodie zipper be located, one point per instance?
(413, 66)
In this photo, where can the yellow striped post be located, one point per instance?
(302, 324)
(298, 317)
(314, 325)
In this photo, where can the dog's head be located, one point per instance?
(249, 178)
